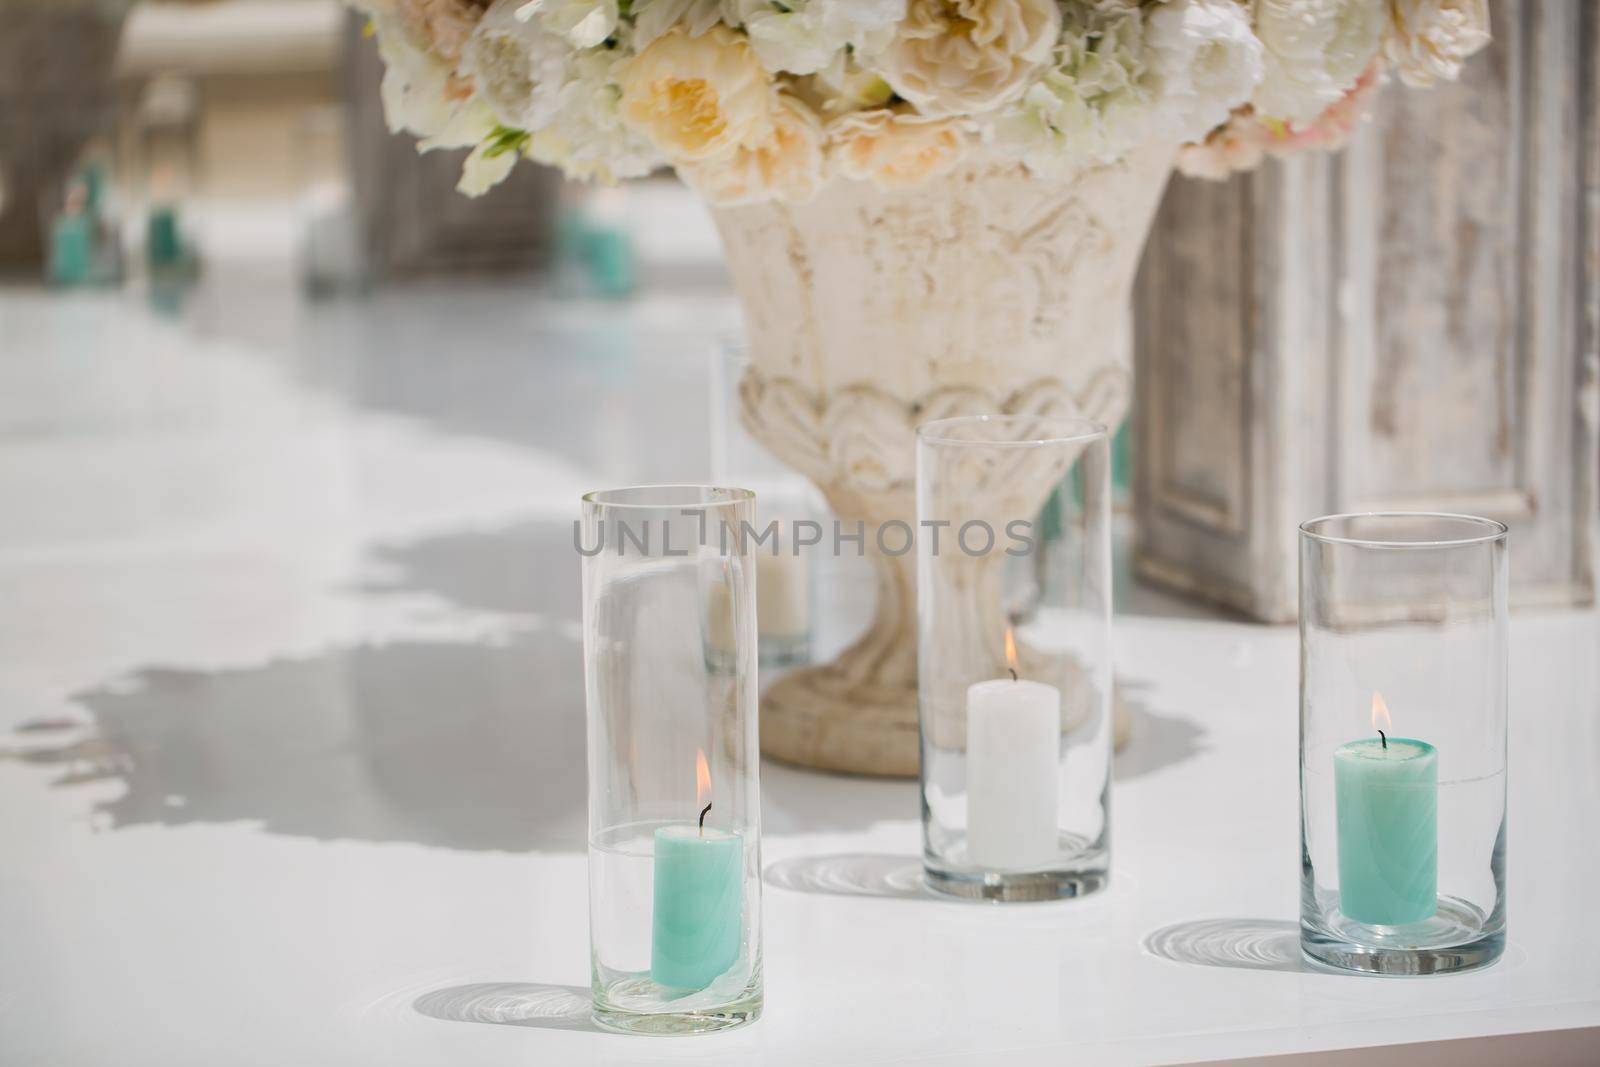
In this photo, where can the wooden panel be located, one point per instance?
(56, 94)
(1427, 373)
(1456, 373)
(1198, 446)
(1413, 327)
(414, 221)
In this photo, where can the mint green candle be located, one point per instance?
(699, 905)
(1387, 800)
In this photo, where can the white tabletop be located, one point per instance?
(291, 735)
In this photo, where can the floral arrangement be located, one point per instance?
(760, 99)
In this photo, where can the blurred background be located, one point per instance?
(1406, 324)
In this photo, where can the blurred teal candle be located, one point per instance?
(1387, 799)
(72, 249)
(699, 905)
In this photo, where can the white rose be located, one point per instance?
(584, 23)
(516, 65)
(951, 57)
(422, 94)
(1315, 51)
(1207, 59)
(697, 98)
(803, 36)
(1428, 40)
(787, 165)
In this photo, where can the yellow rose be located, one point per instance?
(893, 149)
(786, 166)
(697, 98)
(962, 57)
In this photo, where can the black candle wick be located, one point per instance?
(1013, 671)
(703, 817)
(1381, 736)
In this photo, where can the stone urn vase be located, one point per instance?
(869, 312)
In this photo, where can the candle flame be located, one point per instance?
(702, 777)
(1011, 648)
(1380, 713)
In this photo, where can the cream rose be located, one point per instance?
(893, 149)
(697, 98)
(1428, 40)
(968, 56)
(785, 166)
(1239, 144)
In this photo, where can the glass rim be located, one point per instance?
(734, 496)
(1487, 530)
(1069, 429)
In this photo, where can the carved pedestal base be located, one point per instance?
(823, 717)
(869, 312)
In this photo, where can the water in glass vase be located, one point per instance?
(624, 938)
(1468, 922)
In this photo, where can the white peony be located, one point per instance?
(964, 57)
(1428, 40)
(487, 166)
(584, 23)
(1102, 99)
(1207, 60)
(1315, 51)
(517, 66)
(804, 36)
(587, 137)
(653, 18)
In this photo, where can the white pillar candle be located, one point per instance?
(1013, 773)
(783, 595)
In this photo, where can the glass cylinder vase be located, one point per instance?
(1014, 658)
(1403, 741)
(669, 641)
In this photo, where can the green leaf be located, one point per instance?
(505, 139)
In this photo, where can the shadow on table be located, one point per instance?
(1248, 944)
(851, 874)
(547, 1007)
(1155, 741)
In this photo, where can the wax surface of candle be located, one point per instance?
(784, 596)
(699, 905)
(1013, 773)
(1387, 803)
